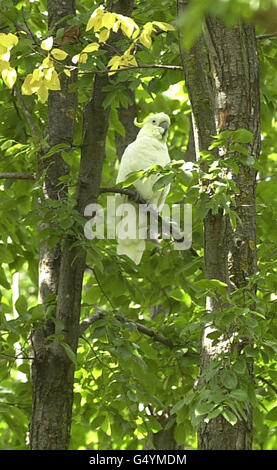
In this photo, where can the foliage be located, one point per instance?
(125, 381)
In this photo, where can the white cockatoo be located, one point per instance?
(148, 149)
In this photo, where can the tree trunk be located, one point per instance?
(234, 66)
(224, 95)
(126, 117)
(49, 368)
(62, 269)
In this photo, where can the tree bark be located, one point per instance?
(127, 116)
(234, 65)
(49, 368)
(62, 268)
(223, 87)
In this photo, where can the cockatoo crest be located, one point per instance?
(156, 125)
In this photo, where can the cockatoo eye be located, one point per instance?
(154, 121)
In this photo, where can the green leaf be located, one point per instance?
(216, 412)
(242, 136)
(229, 379)
(180, 434)
(56, 149)
(204, 408)
(181, 296)
(37, 312)
(21, 305)
(162, 182)
(7, 144)
(249, 160)
(3, 280)
(154, 424)
(5, 254)
(132, 396)
(272, 414)
(178, 406)
(211, 284)
(214, 335)
(132, 178)
(250, 351)
(229, 416)
(239, 394)
(240, 366)
(70, 354)
(236, 147)
(273, 375)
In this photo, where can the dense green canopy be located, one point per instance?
(129, 382)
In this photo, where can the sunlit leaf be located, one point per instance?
(164, 26)
(108, 19)
(53, 81)
(96, 19)
(9, 76)
(104, 35)
(47, 44)
(59, 54)
(93, 46)
(29, 86)
(43, 93)
(145, 39)
(8, 40)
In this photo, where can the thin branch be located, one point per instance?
(17, 176)
(266, 36)
(131, 67)
(100, 286)
(89, 321)
(28, 358)
(142, 328)
(26, 112)
(267, 382)
(18, 112)
(125, 191)
(167, 227)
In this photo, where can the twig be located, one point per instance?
(100, 286)
(142, 328)
(125, 191)
(26, 112)
(28, 358)
(266, 36)
(267, 382)
(168, 228)
(17, 176)
(131, 67)
(89, 321)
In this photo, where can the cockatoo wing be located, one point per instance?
(147, 150)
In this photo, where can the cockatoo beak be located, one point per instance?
(164, 125)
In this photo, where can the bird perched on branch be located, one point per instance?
(148, 149)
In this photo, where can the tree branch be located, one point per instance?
(266, 36)
(141, 328)
(131, 67)
(267, 382)
(17, 176)
(125, 191)
(26, 112)
(167, 227)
